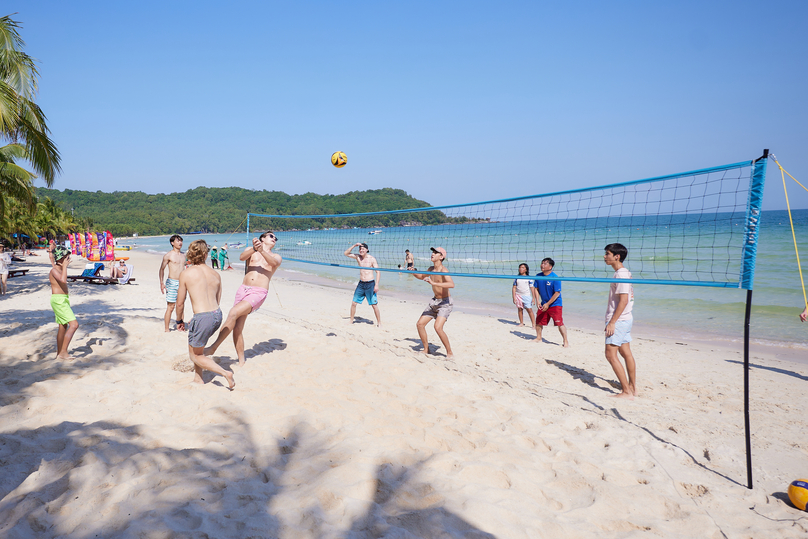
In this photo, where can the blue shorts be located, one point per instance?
(365, 290)
(622, 333)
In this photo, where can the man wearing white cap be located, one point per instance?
(440, 306)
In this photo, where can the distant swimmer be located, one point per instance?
(367, 287)
(440, 306)
(60, 301)
(619, 321)
(260, 265)
(175, 261)
(204, 286)
(548, 301)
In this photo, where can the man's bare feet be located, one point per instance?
(65, 357)
(520, 325)
(537, 339)
(624, 395)
(566, 345)
(168, 331)
(230, 380)
(450, 357)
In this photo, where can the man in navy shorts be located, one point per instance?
(368, 286)
(547, 297)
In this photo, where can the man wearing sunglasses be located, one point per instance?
(260, 265)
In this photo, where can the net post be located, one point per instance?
(751, 230)
(747, 316)
(247, 241)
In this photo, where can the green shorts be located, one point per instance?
(60, 303)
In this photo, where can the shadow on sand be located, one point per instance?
(110, 480)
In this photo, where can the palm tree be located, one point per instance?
(15, 181)
(21, 119)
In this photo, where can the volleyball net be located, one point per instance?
(693, 228)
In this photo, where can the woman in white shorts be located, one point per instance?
(523, 296)
(5, 261)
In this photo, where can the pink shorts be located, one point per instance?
(254, 295)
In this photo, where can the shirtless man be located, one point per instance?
(367, 286)
(409, 259)
(261, 264)
(440, 307)
(60, 302)
(204, 286)
(176, 263)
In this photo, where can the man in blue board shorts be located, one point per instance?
(367, 287)
(175, 261)
(547, 296)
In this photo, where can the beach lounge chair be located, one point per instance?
(126, 279)
(91, 274)
(17, 272)
(94, 278)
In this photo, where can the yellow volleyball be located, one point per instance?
(339, 159)
(798, 493)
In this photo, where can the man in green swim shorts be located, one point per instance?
(60, 302)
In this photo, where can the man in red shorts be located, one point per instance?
(261, 264)
(547, 297)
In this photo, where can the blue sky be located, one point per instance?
(451, 101)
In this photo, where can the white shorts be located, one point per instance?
(622, 333)
(527, 301)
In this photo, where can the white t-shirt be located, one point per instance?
(523, 286)
(614, 292)
(5, 262)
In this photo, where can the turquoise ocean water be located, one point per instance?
(686, 311)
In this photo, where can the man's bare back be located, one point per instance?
(204, 286)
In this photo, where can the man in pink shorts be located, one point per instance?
(261, 264)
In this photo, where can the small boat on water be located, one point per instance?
(237, 244)
(374, 232)
(125, 247)
(304, 243)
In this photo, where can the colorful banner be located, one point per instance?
(110, 246)
(72, 239)
(82, 246)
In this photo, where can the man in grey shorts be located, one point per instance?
(204, 286)
(440, 306)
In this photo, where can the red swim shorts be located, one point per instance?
(543, 317)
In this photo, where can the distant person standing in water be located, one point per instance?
(175, 261)
(260, 265)
(619, 321)
(409, 259)
(804, 315)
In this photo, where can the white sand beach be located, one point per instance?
(345, 431)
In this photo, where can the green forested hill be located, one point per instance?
(223, 209)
